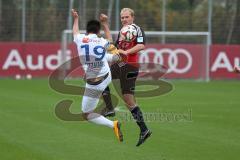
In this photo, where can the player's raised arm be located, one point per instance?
(104, 21)
(75, 22)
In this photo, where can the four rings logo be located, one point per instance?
(172, 60)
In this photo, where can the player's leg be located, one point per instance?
(109, 109)
(128, 87)
(101, 120)
(138, 116)
(88, 106)
(89, 103)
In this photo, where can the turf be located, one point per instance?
(30, 130)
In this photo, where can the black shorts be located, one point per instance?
(127, 74)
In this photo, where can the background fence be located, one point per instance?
(32, 20)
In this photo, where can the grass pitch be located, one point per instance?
(208, 129)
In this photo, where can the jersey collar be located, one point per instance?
(92, 35)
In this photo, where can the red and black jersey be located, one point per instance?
(140, 39)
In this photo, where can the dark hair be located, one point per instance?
(93, 26)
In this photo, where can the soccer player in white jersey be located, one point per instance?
(94, 58)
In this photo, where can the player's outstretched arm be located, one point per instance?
(75, 22)
(104, 21)
(135, 49)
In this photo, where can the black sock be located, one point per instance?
(107, 98)
(137, 115)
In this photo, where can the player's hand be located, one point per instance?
(112, 49)
(103, 18)
(74, 13)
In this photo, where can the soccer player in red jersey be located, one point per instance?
(127, 73)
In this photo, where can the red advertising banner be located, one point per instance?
(182, 60)
(37, 59)
(223, 60)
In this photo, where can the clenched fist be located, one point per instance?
(74, 13)
(103, 18)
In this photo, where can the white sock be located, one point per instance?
(99, 119)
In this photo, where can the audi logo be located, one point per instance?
(172, 60)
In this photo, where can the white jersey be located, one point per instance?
(93, 55)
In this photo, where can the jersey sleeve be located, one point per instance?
(140, 36)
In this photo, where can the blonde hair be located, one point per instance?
(129, 10)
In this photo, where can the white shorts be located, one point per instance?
(92, 94)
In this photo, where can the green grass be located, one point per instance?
(30, 130)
